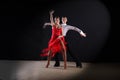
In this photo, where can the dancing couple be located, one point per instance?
(57, 43)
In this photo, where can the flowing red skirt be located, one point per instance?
(54, 46)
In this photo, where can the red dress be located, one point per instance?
(54, 44)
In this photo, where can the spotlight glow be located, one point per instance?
(35, 70)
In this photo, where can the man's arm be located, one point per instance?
(76, 29)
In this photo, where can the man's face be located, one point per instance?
(64, 20)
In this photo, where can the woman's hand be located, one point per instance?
(52, 11)
(60, 36)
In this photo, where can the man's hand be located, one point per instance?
(83, 34)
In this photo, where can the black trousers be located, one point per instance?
(73, 55)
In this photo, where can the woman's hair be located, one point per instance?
(57, 18)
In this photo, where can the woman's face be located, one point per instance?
(57, 20)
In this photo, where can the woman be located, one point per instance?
(57, 41)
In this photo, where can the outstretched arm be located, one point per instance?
(51, 17)
(51, 20)
(46, 24)
(76, 29)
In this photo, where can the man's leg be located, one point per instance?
(75, 58)
(57, 61)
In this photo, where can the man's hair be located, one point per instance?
(64, 17)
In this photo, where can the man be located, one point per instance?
(66, 28)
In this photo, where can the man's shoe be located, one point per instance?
(57, 64)
(79, 65)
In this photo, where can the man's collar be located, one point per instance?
(64, 24)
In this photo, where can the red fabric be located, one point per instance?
(54, 44)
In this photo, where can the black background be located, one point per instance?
(22, 35)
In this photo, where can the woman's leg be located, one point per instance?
(49, 58)
(64, 54)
